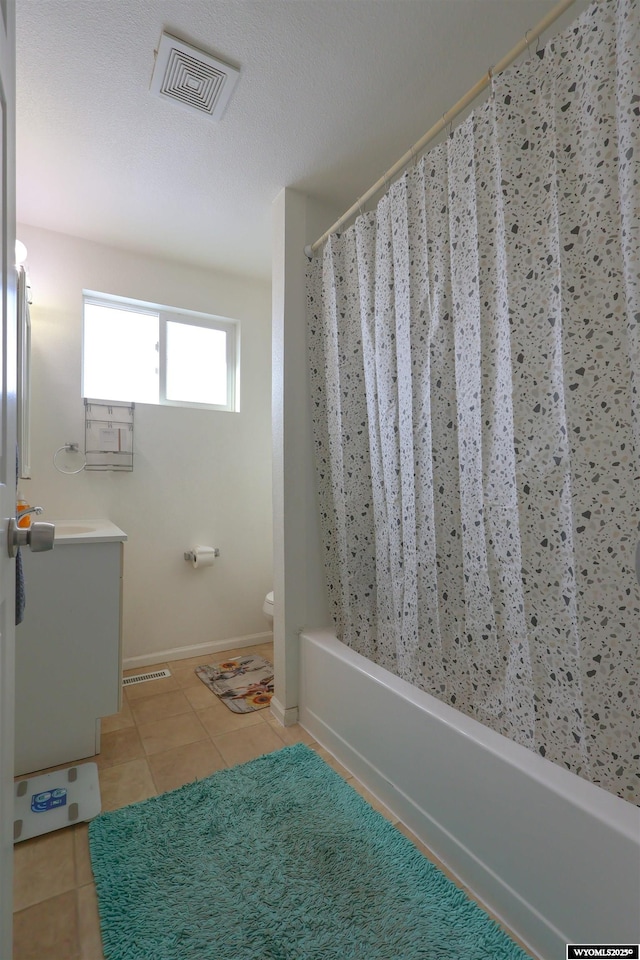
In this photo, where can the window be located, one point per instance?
(142, 353)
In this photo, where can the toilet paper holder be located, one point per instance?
(190, 554)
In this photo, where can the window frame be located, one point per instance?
(165, 314)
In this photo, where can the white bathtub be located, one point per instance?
(555, 857)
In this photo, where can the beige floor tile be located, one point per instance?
(218, 719)
(43, 867)
(157, 708)
(257, 650)
(331, 760)
(119, 747)
(126, 783)
(184, 670)
(26, 850)
(290, 735)
(150, 688)
(232, 653)
(89, 924)
(48, 930)
(193, 761)
(84, 873)
(372, 800)
(190, 663)
(242, 745)
(172, 732)
(200, 697)
(118, 721)
(186, 676)
(265, 650)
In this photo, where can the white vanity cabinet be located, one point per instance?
(69, 645)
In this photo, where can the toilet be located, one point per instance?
(267, 608)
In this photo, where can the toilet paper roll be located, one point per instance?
(203, 556)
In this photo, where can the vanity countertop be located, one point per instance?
(87, 531)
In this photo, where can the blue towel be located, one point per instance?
(20, 591)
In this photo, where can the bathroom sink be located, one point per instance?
(87, 531)
(73, 529)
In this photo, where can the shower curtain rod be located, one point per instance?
(444, 121)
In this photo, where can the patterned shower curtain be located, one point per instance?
(474, 358)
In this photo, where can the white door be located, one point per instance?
(8, 369)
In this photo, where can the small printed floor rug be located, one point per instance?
(276, 859)
(244, 684)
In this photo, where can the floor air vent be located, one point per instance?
(188, 76)
(141, 677)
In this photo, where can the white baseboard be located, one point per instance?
(286, 717)
(196, 650)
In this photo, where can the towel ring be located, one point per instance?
(70, 448)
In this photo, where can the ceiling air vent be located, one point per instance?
(188, 76)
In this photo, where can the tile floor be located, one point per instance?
(169, 732)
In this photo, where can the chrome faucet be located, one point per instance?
(25, 513)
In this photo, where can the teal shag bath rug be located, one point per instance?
(276, 859)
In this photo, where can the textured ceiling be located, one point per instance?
(331, 93)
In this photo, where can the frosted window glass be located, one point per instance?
(120, 355)
(196, 364)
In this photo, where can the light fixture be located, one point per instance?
(21, 252)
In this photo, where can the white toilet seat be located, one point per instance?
(267, 606)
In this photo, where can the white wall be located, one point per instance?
(199, 476)
(299, 585)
